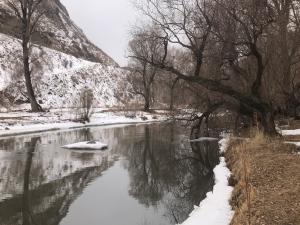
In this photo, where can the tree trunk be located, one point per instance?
(172, 94)
(171, 108)
(35, 107)
(268, 123)
(147, 106)
(196, 129)
(147, 101)
(283, 20)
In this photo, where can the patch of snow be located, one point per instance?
(215, 208)
(204, 139)
(224, 142)
(92, 145)
(290, 132)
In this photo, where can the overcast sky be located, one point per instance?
(105, 22)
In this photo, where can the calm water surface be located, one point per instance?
(150, 175)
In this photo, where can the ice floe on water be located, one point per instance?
(88, 145)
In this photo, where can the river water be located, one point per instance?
(149, 175)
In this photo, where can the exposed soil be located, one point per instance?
(266, 175)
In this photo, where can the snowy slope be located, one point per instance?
(56, 31)
(59, 78)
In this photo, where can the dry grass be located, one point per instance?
(266, 175)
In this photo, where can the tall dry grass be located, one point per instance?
(239, 158)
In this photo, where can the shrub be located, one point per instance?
(84, 106)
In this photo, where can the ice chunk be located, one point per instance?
(88, 145)
(204, 139)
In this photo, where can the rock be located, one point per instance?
(144, 118)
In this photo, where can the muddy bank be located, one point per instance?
(266, 180)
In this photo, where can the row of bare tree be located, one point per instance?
(238, 55)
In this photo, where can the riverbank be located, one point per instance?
(21, 122)
(265, 176)
(215, 208)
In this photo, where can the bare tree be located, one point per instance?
(143, 45)
(29, 14)
(230, 33)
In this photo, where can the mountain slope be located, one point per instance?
(64, 63)
(56, 31)
(58, 78)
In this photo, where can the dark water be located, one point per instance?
(150, 175)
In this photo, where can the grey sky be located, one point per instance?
(105, 22)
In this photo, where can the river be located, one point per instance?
(149, 175)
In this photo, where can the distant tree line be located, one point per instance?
(236, 55)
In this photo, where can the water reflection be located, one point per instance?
(166, 170)
(26, 212)
(40, 181)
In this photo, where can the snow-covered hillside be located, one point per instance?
(57, 31)
(59, 78)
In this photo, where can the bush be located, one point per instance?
(84, 106)
(130, 114)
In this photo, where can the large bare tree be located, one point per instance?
(226, 41)
(29, 13)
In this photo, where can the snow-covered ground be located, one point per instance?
(295, 132)
(15, 123)
(215, 209)
(290, 132)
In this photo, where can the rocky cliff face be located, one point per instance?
(59, 78)
(56, 31)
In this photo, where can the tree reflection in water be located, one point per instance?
(165, 171)
(26, 212)
(42, 180)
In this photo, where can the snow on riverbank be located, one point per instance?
(215, 208)
(26, 123)
(295, 132)
(290, 132)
